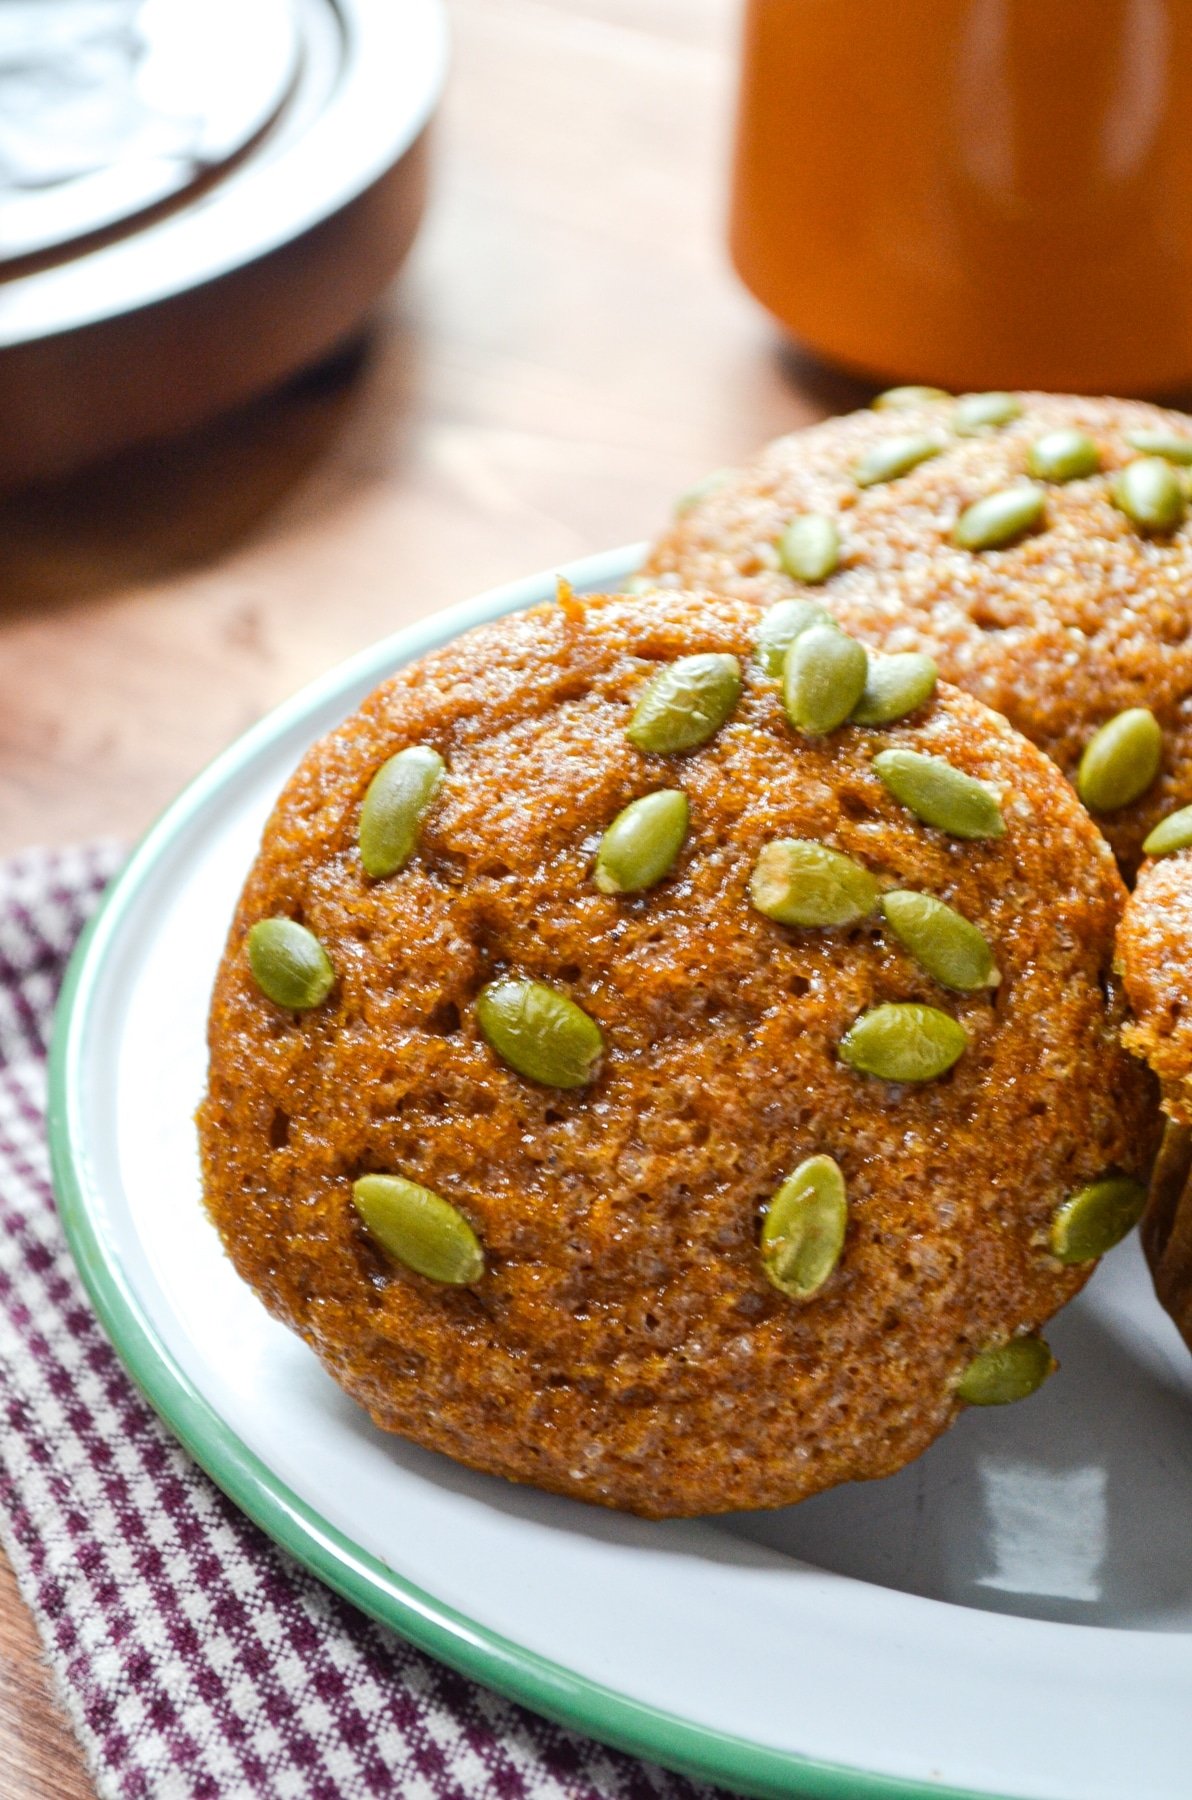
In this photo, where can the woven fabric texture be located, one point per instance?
(195, 1660)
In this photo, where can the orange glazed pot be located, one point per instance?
(982, 193)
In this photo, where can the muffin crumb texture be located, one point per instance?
(607, 1321)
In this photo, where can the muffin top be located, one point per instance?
(1062, 606)
(605, 1323)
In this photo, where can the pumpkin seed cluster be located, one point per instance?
(1010, 624)
(1124, 757)
(1147, 490)
(828, 682)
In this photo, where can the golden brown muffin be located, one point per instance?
(1082, 618)
(623, 1344)
(1155, 956)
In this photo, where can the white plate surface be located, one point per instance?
(1012, 1615)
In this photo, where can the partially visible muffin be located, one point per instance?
(1167, 1225)
(1155, 958)
(1062, 612)
(681, 1159)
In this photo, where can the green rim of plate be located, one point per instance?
(486, 1656)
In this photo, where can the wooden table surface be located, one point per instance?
(566, 350)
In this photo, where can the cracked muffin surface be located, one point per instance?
(1083, 616)
(623, 1343)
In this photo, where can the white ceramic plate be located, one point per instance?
(1011, 1616)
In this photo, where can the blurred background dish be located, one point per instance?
(109, 110)
(195, 201)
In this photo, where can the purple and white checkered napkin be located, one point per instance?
(196, 1661)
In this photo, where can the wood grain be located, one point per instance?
(566, 351)
(39, 1758)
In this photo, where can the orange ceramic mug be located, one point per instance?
(980, 193)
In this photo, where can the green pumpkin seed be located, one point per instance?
(892, 457)
(1063, 455)
(641, 844)
(984, 412)
(540, 1032)
(1166, 444)
(897, 399)
(1001, 518)
(700, 490)
(823, 678)
(1172, 833)
(800, 882)
(895, 686)
(942, 941)
(1120, 761)
(940, 795)
(1010, 1372)
(289, 964)
(809, 548)
(1096, 1218)
(419, 1228)
(780, 626)
(904, 1041)
(398, 799)
(1150, 493)
(803, 1229)
(685, 704)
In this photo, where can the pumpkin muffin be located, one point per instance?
(1038, 546)
(632, 1078)
(1155, 956)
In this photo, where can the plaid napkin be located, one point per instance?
(195, 1660)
